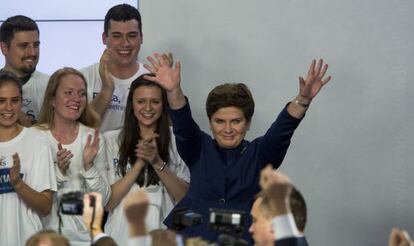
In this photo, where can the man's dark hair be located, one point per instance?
(15, 24)
(122, 12)
(298, 207)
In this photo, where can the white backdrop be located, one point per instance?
(70, 31)
(352, 156)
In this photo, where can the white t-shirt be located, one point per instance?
(77, 179)
(161, 203)
(19, 222)
(33, 94)
(114, 115)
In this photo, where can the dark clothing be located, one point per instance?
(105, 241)
(292, 241)
(225, 178)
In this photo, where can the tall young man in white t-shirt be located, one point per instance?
(109, 80)
(19, 42)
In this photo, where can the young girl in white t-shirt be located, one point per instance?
(27, 177)
(144, 156)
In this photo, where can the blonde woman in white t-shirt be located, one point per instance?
(72, 129)
(144, 156)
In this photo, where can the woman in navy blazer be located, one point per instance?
(225, 169)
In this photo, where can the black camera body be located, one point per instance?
(71, 203)
(230, 223)
(227, 221)
(183, 217)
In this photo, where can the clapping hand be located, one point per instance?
(104, 73)
(63, 159)
(15, 179)
(277, 188)
(135, 209)
(147, 149)
(399, 238)
(90, 150)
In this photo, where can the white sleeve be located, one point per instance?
(60, 177)
(42, 176)
(285, 226)
(99, 236)
(111, 152)
(177, 165)
(96, 177)
(140, 241)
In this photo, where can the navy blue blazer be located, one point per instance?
(292, 241)
(225, 178)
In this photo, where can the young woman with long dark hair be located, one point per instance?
(144, 156)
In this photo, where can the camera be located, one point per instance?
(228, 221)
(183, 217)
(231, 225)
(71, 203)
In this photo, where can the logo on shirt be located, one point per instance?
(115, 104)
(115, 98)
(5, 186)
(115, 161)
(26, 102)
(3, 161)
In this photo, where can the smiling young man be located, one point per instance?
(19, 42)
(109, 80)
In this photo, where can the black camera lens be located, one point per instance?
(71, 203)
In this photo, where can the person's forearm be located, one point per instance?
(176, 99)
(95, 231)
(102, 100)
(122, 186)
(97, 181)
(40, 202)
(137, 229)
(175, 185)
(298, 107)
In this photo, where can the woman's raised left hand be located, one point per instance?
(314, 81)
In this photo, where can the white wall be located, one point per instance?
(70, 31)
(352, 156)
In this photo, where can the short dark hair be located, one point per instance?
(230, 95)
(298, 207)
(15, 24)
(8, 77)
(122, 12)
